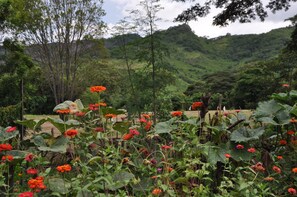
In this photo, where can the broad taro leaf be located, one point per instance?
(272, 112)
(281, 97)
(59, 185)
(64, 105)
(294, 110)
(4, 136)
(58, 145)
(120, 179)
(164, 127)
(244, 134)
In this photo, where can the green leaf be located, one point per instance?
(17, 154)
(38, 140)
(164, 127)
(58, 185)
(59, 145)
(244, 134)
(120, 179)
(214, 153)
(27, 123)
(122, 127)
(109, 110)
(84, 193)
(61, 125)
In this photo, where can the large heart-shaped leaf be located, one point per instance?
(120, 179)
(244, 134)
(58, 145)
(164, 127)
(58, 185)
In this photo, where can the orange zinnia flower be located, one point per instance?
(102, 104)
(110, 115)
(128, 136)
(294, 170)
(251, 150)
(148, 126)
(64, 168)
(32, 171)
(269, 178)
(5, 147)
(97, 88)
(26, 194)
(196, 105)
(258, 167)
(36, 184)
(282, 142)
(71, 133)
(292, 191)
(239, 146)
(290, 132)
(7, 158)
(276, 169)
(63, 111)
(176, 113)
(227, 155)
(156, 191)
(293, 120)
(279, 157)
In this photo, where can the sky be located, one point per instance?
(118, 9)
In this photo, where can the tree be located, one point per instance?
(56, 31)
(145, 18)
(243, 11)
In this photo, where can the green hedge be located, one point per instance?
(9, 114)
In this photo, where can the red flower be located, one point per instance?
(293, 120)
(36, 184)
(71, 133)
(290, 132)
(5, 147)
(156, 191)
(80, 114)
(282, 142)
(32, 171)
(196, 105)
(176, 113)
(97, 88)
(128, 136)
(99, 129)
(11, 129)
(166, 147)
(146, 116)
(142, 120)
(26, 194)
(239, 146)
(279, 157)
(227, 155)
(285, 85)
(237, 110)
(292, 191)
(134, 132)
(7, 158)
(276, 169)
(251, 150)
(29, 157)
(64, 168)
(258, 167)
(94, 107)
(148, 126)
(269, 178)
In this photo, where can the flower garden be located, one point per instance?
(96, 153)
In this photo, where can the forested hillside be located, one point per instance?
(193, 56)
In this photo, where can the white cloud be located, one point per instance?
(204, 27)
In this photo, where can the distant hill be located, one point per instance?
(193, 56)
